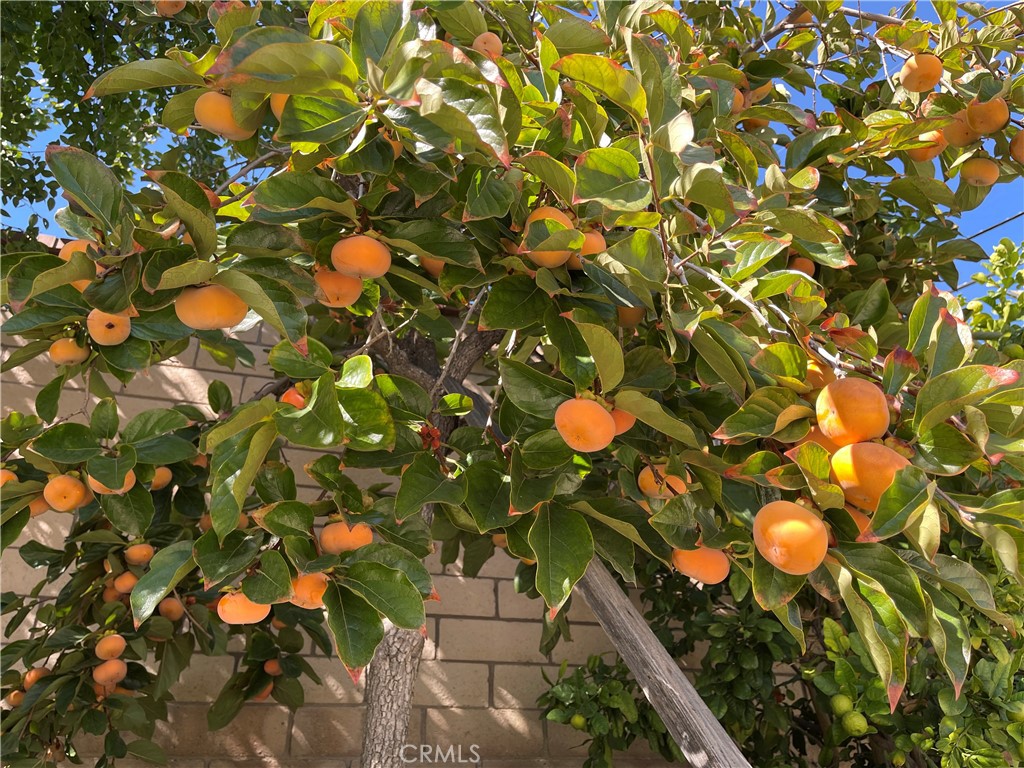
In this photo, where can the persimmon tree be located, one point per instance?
(618, 281)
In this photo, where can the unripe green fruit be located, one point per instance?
(855, 724)
(1014, 351)
(948, 723)
(1015, 711)
(898, 759)
(579, 722)
(841, 704)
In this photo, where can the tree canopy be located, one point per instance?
(689, 256)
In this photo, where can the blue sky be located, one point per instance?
(1003, 201)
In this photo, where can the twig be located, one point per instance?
(758, 315)
(986, 230)
(221, 189)
(455, 344)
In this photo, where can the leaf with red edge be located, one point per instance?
(900, 368)
(944, 395)
(953, 344)
(950, 635)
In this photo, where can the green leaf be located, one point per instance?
(388, 590)
(272, 582)
(287, 197)
(376, 23)
(130, 512)
(766, 412)
(878, 563)
(88, 182)
(354, 624)
(555, 175)
(78, 267)
(104, 419)
(422, 484)
(112, 470)
(467, 113)
(608, 78)
(318, 120)
(369, 425)
(514, 302)
(67, 444)
(546, 450)
(142, 75)
(488, 495)
(785, 362)
(946, 394)
(564, 547)
(901, 502)
(945, 450)
(148, 751)
(319, 424)
(223, 561)
(606, 351)
(464, 20)
(356, 371)
(654, 414)
(488, 196)
(286, 518)
(187, 200)
(299, 66)
(168, 567)
(570, 34)
(949, 633)
(532, 391)
(702, 183)
(773, 588)
(152, 423)
(234, 465)
(285, 358)
(610, 176)
(574, 358)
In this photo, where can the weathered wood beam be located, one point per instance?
(698, 733)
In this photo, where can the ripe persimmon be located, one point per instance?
(6, 476)
(209, 308)
(162, 477)
(958, 133)
(593, 243)
(67, 351)
(78, 246)
(630, 317)
(819, 374)
(273, 667)
(864, 471)
(264, 694)
(937, 144)
(336, 538)
(64, 493)
(791, 538)
(171, 608)
(308, 590)
(15, 697)
(236, 608)
(139, 554)
(584, 425)
(431, 265)
(213, 112)
(1017, 146)
(489, 44)
(38, 506)
(752, 124)
(815, 436)
(665, 488)
(292, 396)
(33, 676)
(921, 72)
(979, 172)
(168, 8)
(802, 264)
(500, 540)
(624, 421)
(361, 256)
(106, 329)
(110, 647)
(549, 259)
(110, 672)
(987, 117)
(125, 582)
(98, 487)
(337, 290)
(277, 102)
(852, 410)
(110, 594)
(863, 521)
(703, 564)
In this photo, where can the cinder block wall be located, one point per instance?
(481, 671)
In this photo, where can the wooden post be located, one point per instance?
(698, 733)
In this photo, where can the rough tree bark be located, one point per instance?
(391, 676)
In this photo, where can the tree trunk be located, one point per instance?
(698, 733)
(390, 681)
